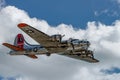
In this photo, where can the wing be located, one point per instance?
(85, 58)
(31, 56)
(37, 35)
(41, 38)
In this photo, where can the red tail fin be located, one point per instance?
(19, 41)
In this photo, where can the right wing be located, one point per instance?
(41, 38)
(79, 57)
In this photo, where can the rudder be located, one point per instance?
(19, 41)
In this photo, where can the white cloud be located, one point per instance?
(98, 13)
(118, 1)
(107, 12)
(105, 39)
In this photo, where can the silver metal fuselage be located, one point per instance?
(39, 50)
(30, 49)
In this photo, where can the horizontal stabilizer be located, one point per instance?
(32, 56)
(13, 47)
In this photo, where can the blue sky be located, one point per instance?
(113, 70)
(74, 12)
(8, 78)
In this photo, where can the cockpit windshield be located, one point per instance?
(77, 41)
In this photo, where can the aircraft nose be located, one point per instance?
(20, 25)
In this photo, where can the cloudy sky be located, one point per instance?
(95, 20)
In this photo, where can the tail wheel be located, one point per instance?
(35, 49)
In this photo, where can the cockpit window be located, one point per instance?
(75, 41)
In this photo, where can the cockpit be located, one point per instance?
(81, 44)
(85, 42)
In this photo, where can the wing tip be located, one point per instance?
(3, 43)
(21, 25)
(96, 61)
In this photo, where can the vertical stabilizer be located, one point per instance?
(19, 41)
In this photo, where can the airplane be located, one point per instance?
(74, 48)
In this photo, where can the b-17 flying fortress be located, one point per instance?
(74, 48)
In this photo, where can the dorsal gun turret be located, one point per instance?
(57, 37)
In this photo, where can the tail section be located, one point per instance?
(19, 41)
(19, 45)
